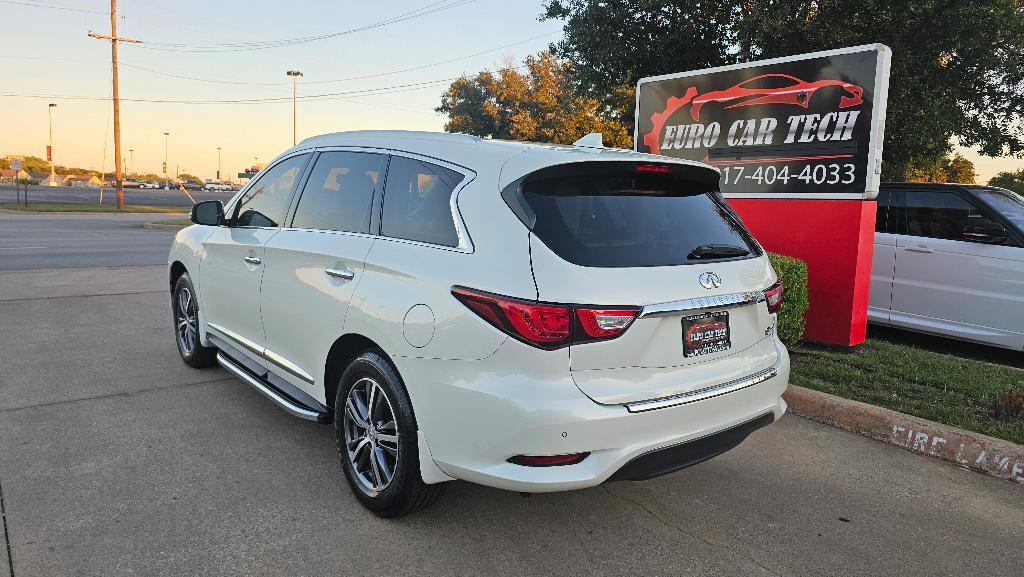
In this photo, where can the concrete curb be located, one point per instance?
(988, 455)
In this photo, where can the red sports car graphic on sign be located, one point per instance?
(785, 89)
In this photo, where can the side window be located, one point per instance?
(265, 202)
(884, 214)
(339, 192)
(938, 214)
(417, 202)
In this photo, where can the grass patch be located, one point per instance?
(181, 222)
(973, 395)
(144, 208)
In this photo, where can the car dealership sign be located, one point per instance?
(806, 126)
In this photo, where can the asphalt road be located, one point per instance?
(117, 459)
(68, 194)
(52, 240)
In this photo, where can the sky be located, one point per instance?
(46, 52)
(390, 75)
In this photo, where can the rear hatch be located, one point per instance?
(612, 234)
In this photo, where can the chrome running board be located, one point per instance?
(705, 393)
(290, 406)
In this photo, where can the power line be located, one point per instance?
(52, 6)
(311, 97)
(336, 80)
(432, 8)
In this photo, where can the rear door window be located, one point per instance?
(622, 217)
(339, 192)
(417, 202)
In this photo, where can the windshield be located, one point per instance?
(1006, 202)
(633, 219)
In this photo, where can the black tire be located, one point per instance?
(191, 350)
(405, 492)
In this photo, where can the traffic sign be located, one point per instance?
(15, 163)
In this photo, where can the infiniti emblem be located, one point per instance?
(709, 280)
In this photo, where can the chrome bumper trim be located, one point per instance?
(705, 393)
(715, 302)
(290, 407)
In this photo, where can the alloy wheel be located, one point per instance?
(371, 436)
(185, 321)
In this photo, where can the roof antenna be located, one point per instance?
(592, 140)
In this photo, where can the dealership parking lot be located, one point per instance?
(117, 459)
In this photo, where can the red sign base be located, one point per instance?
(835, 238)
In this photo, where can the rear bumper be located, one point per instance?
(476, 416)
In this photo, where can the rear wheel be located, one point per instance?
(185, 309)
(377, 438)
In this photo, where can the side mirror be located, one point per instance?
(208, 213)
(986, 232)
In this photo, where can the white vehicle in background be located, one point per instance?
(949, 261)
(150, 184)
(529, 317)
(216, 186)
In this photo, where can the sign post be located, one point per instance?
(16, 167)
(798, 141)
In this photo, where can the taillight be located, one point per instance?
(773, 296)
(654, 168)
(604, 323)
(547, 325)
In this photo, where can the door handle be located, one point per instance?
(920, 248)
(342, 273)
(253, 260)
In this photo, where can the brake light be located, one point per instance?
(773, 296)
(655, 168)
(547, 325)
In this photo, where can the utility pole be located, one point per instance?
(131, 159)
(49, 149)
(218, 164)
(114, 39)
(295, 81)
(167, 180)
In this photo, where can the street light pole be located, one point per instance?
(131, 159)
(167, 180)
(295, 81)
(49, 152)
(218, 164)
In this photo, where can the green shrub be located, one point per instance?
(793, 273)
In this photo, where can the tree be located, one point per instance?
(945, 169)
(615, 43)
(956, 64)
(1009, 180)
(186, 176)
(539, 104)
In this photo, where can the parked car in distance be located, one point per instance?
(150, 184)
(130, 183)
(216, 186)
(949, 261)
(528, 317)
(190, 184)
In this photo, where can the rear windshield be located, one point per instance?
(627, 218)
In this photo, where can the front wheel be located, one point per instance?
(377, 438)
(185, 309)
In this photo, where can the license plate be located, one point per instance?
(705, 334)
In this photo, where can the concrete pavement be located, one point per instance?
(117, 459)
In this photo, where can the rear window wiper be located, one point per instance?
(706, 251)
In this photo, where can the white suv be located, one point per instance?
(524, 316)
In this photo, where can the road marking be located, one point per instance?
(22, 247)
